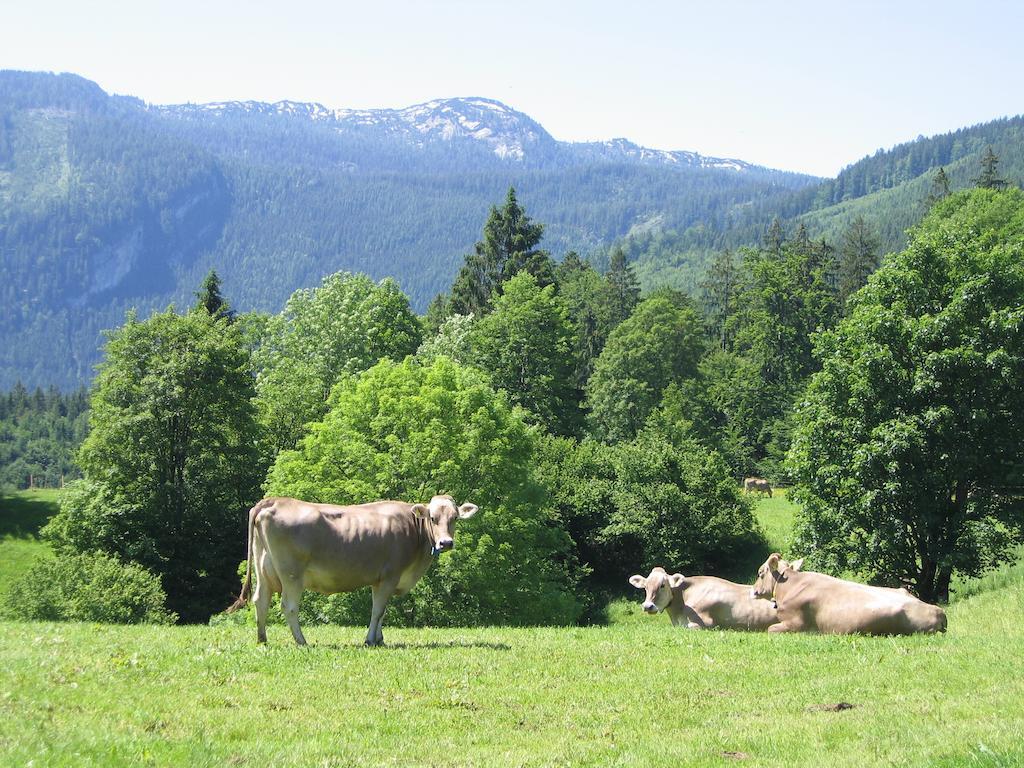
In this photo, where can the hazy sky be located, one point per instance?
(808, 86)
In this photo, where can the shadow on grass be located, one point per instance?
(22, 514)
(430, 645)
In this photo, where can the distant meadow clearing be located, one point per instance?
(638, 692)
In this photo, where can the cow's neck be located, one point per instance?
(677, 608)
(784, 583)
(429, 535)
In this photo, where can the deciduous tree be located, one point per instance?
(912, 428)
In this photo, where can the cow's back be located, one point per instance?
(335, 548)
(727, 604)
(836, 606)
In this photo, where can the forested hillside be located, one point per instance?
(107, 203)
(890, 190)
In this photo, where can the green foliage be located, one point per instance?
(170, 461)
(858, 258)
(989, 177)
(910, 433)
(623, 287)
(584, 293)
(659, 343)
(322, 335)
(525, 345)
(509, 244)
(91, 586)
(409, 430)
(654, 500)
(39, 433)
(209, 297)
(452, 340)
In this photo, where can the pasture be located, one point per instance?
(636, 693)
(22, 514)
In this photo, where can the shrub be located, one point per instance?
(409, 430)
(87, 587)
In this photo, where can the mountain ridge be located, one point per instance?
(108, 203)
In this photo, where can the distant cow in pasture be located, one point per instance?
(703, 602)
(759, 484)
(386, 545)
(815, 602)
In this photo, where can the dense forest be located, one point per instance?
(600, 430)
(39, 434)
(107, 203)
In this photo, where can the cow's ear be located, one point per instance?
(676, 580)
(467, 510)
(638, 581)
(796, 565)
(773, 562)
(420, 510)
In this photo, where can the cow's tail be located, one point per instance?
(243, 596)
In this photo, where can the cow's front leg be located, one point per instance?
(291, 595)
(781, 627)
(381, 594)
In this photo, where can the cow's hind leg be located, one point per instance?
(291, 596)
(261, 600)
(381, 594)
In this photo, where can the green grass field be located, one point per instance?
(636, 693)
(22, 514)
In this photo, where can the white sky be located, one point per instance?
(799, 85)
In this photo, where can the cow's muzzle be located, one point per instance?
(443, 545)
(650, 607)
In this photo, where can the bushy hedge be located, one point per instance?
(655, 500)
(410, 430)
(87, 587)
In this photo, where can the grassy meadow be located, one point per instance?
(636, 693)
(22, 514)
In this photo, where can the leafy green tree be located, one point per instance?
(785, 299)
(438, 311)
(322, 335)
(720, 291)
(858, 257)
(510, 244)
(409, 430)
(911, 430)
(525, 345)
(584, 293)
(659, 343)
(989, 178)
(654, 500)
(452, 340)
(623, 286)
(170, 462)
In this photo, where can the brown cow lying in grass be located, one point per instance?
(703, 602)
(814, 602)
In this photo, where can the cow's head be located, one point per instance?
(440, 516)
(771, 573)
(658, 588)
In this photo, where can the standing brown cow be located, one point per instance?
(751, 484)
(386, 545)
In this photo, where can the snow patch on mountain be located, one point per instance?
(509, 134)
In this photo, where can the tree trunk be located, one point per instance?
(942, 584)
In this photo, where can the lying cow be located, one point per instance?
(814, 602)
(759, 484)
(703, 602)
(387, 545)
